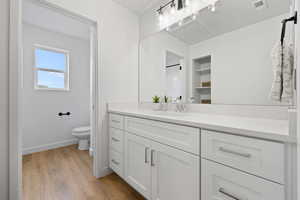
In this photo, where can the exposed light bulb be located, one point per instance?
(194, 16)
(161, 17)
(180, 23)
(187, 2)
(173, 9)
(168, 28)
(213, 7)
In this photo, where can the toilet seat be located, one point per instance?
(81, 129)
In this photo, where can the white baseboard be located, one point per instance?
(49, 146)
(91, 151)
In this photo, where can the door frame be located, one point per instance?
(15, 92)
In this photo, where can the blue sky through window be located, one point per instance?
(51, 80)
(51, 60)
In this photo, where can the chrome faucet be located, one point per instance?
(180, 106)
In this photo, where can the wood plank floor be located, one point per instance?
(66, 174)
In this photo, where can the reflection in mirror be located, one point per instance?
(174, 79)
(220, 57)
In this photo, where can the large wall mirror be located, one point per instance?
(219, 56)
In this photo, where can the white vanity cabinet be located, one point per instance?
(259, 157)
(156, 162)
(116, 144)
(241, 168)
(222, 182)
(166, 161)
(175, 174)
(161, 172)
(137, 164)
(160, 160)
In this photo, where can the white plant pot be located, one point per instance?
(156, 106)
(165, 106)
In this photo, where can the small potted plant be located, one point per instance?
(156, 102)
(165, 103)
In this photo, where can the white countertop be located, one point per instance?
(263, 128)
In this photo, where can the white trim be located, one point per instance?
(15, 94)
(297, 62)
(66, 72)
(15, 85)
(49, 146)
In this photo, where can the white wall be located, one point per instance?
(4, 24)
(42, 127)
(118, 39)
(241, 65)
(153, 51)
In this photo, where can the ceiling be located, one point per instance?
(230, 15)
(138, 6)
(49, 19)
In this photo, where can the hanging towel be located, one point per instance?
(282, 61)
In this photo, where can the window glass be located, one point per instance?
(48, 79)
(51, 68)
(50, 59)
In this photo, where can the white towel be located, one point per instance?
(282, 87)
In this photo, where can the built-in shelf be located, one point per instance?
(207, 69)
(201, 77)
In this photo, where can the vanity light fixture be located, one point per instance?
(177, 11)
(171, 4)
(160, 14)
(187, 3)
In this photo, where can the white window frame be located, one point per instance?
(65, 72)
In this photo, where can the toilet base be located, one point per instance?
(83, 145)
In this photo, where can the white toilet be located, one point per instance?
(83, 135)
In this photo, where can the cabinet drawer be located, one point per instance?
(116, 139)
(181, 137)
(258, 157)
(221, 182)
(116, 121)
(116, 162)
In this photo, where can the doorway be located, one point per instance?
(58, 55)
(174, 68)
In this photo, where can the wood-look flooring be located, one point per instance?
(66, 174)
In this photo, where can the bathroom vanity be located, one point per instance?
(223, 59)
(193, 156)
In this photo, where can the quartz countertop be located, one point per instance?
(263, 128)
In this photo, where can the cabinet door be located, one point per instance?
(222, 182)
(175, 174)
(137, 163)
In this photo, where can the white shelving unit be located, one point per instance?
(201, 75)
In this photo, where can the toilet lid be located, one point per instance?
(81, 129)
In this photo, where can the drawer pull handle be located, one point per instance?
(115, 162)
(222, 190)
(115, 121)
(146, 154)
(246, 155)
(152, 158)
(115, 139)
